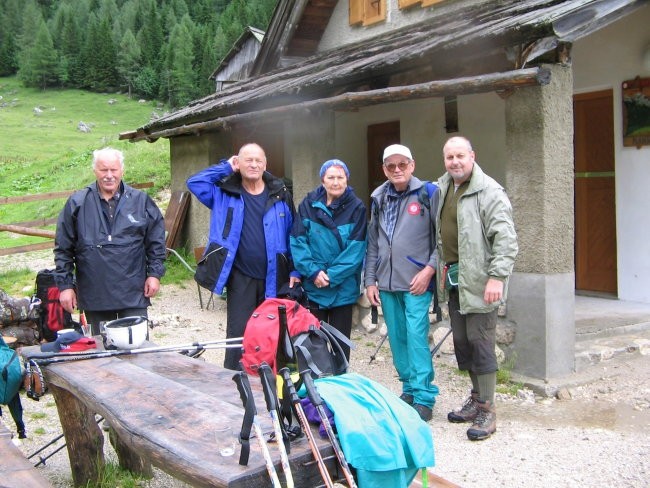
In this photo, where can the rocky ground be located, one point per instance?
(596, 435)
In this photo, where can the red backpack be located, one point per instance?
(307, 341)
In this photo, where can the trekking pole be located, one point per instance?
(271, 397)
(435, 349)
(302, 417)
(45, 446)
(57, 438)
(246, 395)
(317, 401)
(49, 358)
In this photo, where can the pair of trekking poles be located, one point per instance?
(270, 395)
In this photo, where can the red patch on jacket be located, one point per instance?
(413, 208)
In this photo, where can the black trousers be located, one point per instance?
(338, 317)
(244, 295)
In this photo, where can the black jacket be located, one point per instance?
(110, 264)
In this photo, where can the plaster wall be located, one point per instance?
(309, 143)
(604, 60)
(481, 118)
(339, 32)
(190, 155)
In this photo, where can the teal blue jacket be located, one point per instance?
(330, 239)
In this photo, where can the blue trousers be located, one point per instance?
(407, 320)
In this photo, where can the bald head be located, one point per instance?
(459, 159)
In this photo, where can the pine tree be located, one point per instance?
(207, 62)
(180, 80)
(41, 62)
(151, 38)
(70, 48)
(99, 57)
(8, 51)
(128, 60)
(31, 21)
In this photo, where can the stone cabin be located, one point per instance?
(539, 87)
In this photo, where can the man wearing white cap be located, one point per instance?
(400, 263)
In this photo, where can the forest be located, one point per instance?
(156, 49)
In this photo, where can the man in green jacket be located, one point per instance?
(477, 246)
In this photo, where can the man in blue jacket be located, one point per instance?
(110, 237)
(248, 250)
(400, 263)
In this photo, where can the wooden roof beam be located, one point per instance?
(351, 100)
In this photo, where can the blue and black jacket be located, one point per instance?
(332, 239)
(220, 189)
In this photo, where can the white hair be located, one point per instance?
(109, 153)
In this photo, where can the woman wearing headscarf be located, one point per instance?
(328, 245)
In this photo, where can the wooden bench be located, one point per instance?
(16, 471)
(165, 409)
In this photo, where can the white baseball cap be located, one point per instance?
(397, 149)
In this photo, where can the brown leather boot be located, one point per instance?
(485, 423)
(466, 413)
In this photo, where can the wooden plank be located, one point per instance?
(175, 216)
(433, 481)
(16, 471)
(38, 246)
(37, 222)
(55, 194)
(351, 100)
(27, 231)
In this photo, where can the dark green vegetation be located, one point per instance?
(156, 49)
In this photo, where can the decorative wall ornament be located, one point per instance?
(636, 112)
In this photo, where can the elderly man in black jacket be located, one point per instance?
(111, 238)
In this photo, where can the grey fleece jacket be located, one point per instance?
(392, 266)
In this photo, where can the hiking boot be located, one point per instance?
(424, 412)
(485, 423)
(466, 413)
(406, 398)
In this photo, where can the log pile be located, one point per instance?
(18, 320)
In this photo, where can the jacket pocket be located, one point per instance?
(209, 267)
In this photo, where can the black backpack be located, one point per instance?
(52, 316)
(319, 350)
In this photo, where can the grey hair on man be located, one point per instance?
(110, 153)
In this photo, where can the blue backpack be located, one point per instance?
(11, 375)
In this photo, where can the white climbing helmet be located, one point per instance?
(126, 333)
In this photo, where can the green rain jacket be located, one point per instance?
(485, 251)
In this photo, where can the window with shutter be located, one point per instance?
(366, 12)
(407, 3)
(356, 12)
(374, 11)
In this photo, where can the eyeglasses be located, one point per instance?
(402, 165)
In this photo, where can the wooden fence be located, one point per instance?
(31, 227)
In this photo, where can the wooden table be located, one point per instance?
(165, 409)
